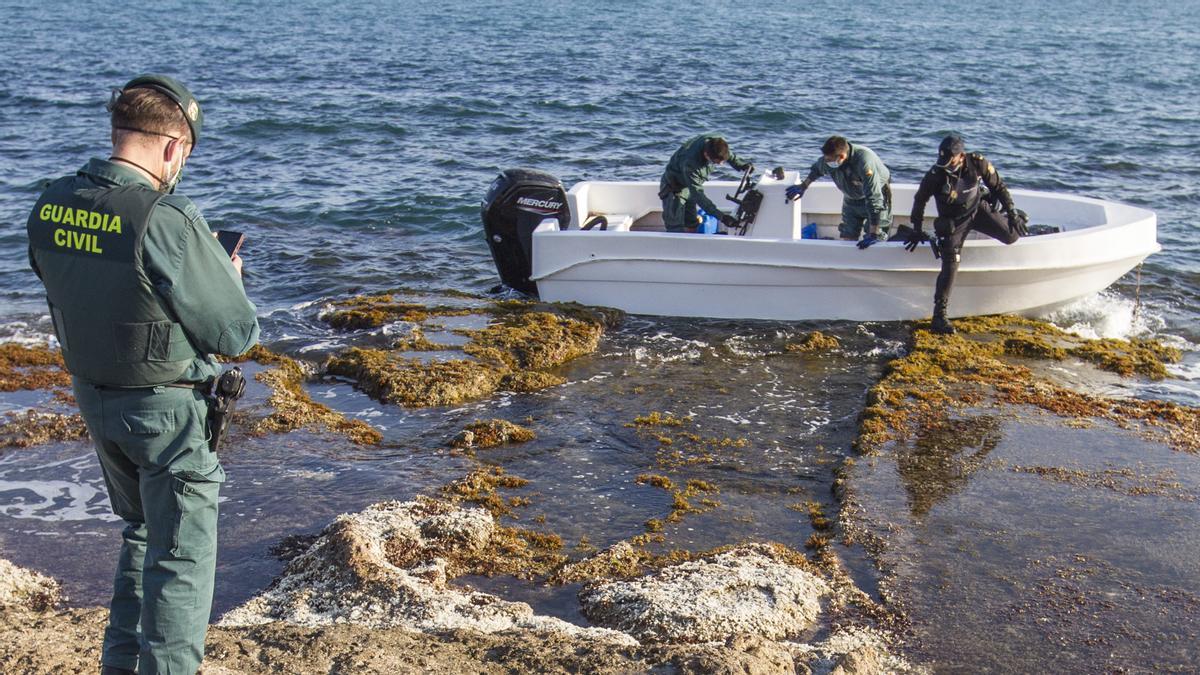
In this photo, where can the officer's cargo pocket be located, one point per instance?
(196, 493)
(149, 422)
(140, 342)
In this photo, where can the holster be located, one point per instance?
(943, 227)
(222, 398)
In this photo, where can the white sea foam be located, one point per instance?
(37, 332)
(1107, 315)
(75, 493)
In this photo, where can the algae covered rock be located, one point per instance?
(530, 380)
(294, 409)
(816, 341)
(30, 367)
(22, 588)
(490, 434)
(746, 590)
(413, 383)
(29, 428)
(387, 566)
(535, 340)
(373, 311)
(519, 344)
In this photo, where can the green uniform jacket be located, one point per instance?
(688, 169)
(186, 273)
(861, 177)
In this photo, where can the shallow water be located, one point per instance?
(1006, 570)
(353, 145)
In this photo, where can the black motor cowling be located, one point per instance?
(516, 203)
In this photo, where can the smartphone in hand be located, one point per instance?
(230, 241)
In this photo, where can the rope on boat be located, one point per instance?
(1137, 294)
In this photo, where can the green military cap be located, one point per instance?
(175, 91)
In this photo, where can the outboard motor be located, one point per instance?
(516, 203)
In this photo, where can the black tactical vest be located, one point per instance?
(86, 241)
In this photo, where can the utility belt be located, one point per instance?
(668, 188)
(221, 393)
(887, 197)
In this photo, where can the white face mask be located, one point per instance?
(833, 165)
(171, 179)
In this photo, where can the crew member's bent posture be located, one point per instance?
(141, 296)
(865, 184)
(954, 183)
(681, 188)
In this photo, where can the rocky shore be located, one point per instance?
(392, 587)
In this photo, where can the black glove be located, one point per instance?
(1018, 222)
(728, 220)
(795, 191)
(915, 239)
(747, 167)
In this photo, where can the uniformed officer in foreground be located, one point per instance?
(682, 185)
(865, 183)
(955, 185)
(141, 296)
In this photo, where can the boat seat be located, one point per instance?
(617, 222)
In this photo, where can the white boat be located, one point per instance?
(540, 241)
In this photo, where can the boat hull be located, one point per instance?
(669, 274)
(733, 291)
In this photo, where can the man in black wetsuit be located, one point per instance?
(954, 183)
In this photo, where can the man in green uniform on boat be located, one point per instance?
(865, 183)
(141, 296)
(682, 185)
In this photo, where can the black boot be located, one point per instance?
(940, 323)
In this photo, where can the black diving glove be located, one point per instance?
(915, 239)
(1018, 222)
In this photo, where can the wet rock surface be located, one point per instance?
(992, 491)
(962, 440)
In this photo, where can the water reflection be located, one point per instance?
(942, 459)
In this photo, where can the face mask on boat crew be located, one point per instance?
(171, 179)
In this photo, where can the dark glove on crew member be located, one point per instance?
(915, 239)
(795, 192)
(728, 220)
(747, 167)
(1017, 221)
(868, 241)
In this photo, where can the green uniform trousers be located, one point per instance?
(679, 212)
(163, 481)
(856, 216)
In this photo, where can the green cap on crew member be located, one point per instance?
(175, 91)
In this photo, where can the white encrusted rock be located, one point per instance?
(744, 591)
(24, 588)
(386, 566)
